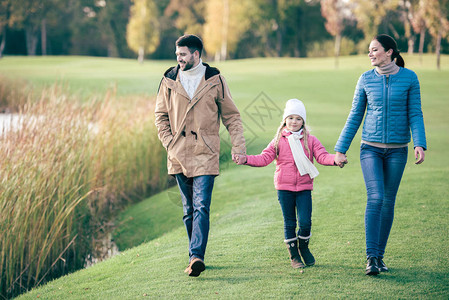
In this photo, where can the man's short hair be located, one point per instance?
(190, 41)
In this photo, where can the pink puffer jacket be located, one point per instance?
(286, 176)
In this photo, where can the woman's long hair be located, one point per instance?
(389, 43)
(277, 137)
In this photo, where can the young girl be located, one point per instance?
(294, 149)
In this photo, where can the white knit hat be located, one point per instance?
(295, 107)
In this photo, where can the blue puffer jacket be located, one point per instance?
(393, 109)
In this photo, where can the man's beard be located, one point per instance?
(188, 65)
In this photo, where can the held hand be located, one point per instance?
(340, 159)
(419, 155)
(240, 159)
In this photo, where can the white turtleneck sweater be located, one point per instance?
(190, 79)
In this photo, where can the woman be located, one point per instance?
(390, 95)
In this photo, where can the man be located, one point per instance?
(192, 98)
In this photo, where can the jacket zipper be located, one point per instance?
(387, 96)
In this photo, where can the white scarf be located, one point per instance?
(302, 162)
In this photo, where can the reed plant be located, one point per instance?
(13, 94)
(66, 167)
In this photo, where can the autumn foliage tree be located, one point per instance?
(142, 32)
(335, 11)
(188, 15)
(436, 18)
(419, 24)
(369, 15)
(226, 20)
(229, 28)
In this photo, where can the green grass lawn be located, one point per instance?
(246, 257)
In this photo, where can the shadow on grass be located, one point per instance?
(405, 275)
(215, 267)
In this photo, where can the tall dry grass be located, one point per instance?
(64, 171)
(13, 94)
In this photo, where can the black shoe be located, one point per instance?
(196, 267)
(381, 265)
(371, 266)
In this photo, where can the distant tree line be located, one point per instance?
(229, 28)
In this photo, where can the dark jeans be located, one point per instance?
(196, 194)
(296, 204)
(382, 170)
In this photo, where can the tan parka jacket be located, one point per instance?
(189, 128)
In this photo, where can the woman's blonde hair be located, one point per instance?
(277, 137)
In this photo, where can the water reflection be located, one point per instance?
(9, 122)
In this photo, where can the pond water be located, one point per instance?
(8, 122)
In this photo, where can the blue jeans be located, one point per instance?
(382, 170)
(196, 195)
(296, 204)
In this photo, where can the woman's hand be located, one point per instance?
(340, 159)
(419, 155)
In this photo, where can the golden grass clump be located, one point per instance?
(65, 168)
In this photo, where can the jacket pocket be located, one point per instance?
(211, 141)
(372, 124)
(286, 177)
(174, 147)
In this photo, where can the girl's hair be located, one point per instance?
(389, 43)
(277, 137)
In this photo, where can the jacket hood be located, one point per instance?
(172, 72)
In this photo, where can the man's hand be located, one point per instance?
(239, 159)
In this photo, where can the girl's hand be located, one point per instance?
(419, 155)
(340, 159)
(240, 159)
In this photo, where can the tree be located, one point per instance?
(419, 25)
(282, 28)
(226, 20)
(20, 14)
(369, 15)
(142, 32)
(406, 11)
(436, 18)
(32, 13)
(188, 15)
(264, 37)
(335, 11)
(287, 17)
(112, 20)
(31, 16)
(51, 17)
(5, 12)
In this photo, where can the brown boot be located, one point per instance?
(292, 246)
